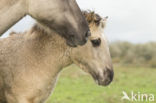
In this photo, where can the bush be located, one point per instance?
(134, 54)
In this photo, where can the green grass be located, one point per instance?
(75, 86)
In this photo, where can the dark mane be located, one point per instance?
(37, 27)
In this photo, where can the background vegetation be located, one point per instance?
(126, 53)
(135, 70)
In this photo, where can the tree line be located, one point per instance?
(126, 53)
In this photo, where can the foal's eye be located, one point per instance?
(97, 22)
(96, 42)
(98, 19)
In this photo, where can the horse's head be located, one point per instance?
(63, 16)
(94, 56)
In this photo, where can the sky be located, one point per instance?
(129, 20)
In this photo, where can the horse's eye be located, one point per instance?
(96, 42)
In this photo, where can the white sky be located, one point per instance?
(131, 20)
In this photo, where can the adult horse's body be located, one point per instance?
(63, 16)
(30, 62)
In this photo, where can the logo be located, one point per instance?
(140, 97)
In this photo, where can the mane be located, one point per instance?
(35, 28)
(13, 33)
(92, 17)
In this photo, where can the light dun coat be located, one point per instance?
(63, 16)
(30, 62)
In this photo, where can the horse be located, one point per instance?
(30, 62)
(63, 16)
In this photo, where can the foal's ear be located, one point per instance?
(104, 20)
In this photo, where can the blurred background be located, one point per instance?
(131, 31)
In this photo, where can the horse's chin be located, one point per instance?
(71, 44)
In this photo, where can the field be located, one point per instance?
(75, 86)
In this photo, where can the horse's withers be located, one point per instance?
(63, 16)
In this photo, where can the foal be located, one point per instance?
(30, 62)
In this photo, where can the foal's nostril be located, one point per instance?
(110, 74)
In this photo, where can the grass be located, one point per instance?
(75, 86)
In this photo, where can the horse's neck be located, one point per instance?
(11, 11)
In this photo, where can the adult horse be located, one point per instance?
(63, 16)
(30, 62)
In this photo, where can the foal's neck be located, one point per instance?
(11, 11)
(44, 36)
(48, 42)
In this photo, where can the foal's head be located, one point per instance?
(94, 57)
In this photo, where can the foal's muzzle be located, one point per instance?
(106, 78)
